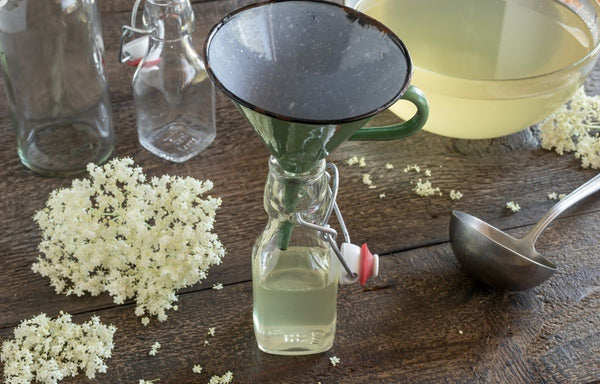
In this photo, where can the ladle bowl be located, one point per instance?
(500, 260)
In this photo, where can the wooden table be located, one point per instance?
(423, 320)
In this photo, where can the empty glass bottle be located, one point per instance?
(294, 279)
(174, 98)
(51, 55)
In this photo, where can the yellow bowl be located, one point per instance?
(491, 68)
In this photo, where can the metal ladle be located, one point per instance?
(501, 260)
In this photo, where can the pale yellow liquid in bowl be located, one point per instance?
(468, 53)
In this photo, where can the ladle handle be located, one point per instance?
(400, 130)
(590, 187)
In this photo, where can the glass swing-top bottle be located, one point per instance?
(293, 275)
(174, 98)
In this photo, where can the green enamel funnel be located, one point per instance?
(309, 75)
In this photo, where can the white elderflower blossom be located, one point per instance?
(197, 369)
(552, 196)
(334, 360)
(389, 166)
(352, 161)
(514, 207)
(455, 195)
(424, 189)
(155, 347)
(414, 167)
(573, 128)
(225, 379)
(120, 234)
(217, 286)
(46, 350)
(211, 331)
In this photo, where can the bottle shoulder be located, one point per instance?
(163, 63)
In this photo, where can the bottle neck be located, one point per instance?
(169, 19)
(288, 193)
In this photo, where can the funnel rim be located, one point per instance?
(380, 26)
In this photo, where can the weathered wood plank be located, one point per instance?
(422, 321)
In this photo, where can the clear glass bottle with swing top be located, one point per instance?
(294, 275)
(174, 98)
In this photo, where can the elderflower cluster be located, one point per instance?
(574, 128)
(356, 160)
(455, 195)
(154, 350)
(47, 350)
(424, 188)
(119, 234)
(225, 379)
(410, 168)
(512, 206)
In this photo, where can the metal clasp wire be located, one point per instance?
(327, 233)
(129, 31)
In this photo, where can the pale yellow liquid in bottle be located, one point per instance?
(295, 304)
(476, 43)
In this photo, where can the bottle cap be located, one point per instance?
(369, 264)
(360, 261)
(136, 49)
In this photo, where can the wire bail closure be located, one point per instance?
(327, 233)
(129, 31)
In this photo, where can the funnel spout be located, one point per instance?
(287, 193)
(285, 235)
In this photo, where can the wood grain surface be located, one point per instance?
(422, 321)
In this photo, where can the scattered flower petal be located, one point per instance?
(217, 286)
(334, 360)
(514, 207)
(197, 369)
(155, 348)
(455, 195)
(424, 189)
(414, 167)
(225, 379)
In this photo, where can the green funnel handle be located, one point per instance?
(400, 130)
